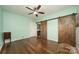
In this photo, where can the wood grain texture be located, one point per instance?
(43, 31)
(67, 30)
(30, 46)
(77, 20)
(6, 36)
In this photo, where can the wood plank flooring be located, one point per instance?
(30, 46)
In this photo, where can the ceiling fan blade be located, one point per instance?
(34, 9)
(30, 13)
(39, 6)
(36, 15)
(29, 8)
(41, 12)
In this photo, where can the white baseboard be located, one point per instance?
(52, 39)
(22, 38)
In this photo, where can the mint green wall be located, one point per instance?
(52, 30)
(18, 25)
(60, 13)
(33, 28)
(77, 31)
(77, 37)
(1, 41)
(0, 26)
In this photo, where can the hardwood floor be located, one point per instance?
(30, 46)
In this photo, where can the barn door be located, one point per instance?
(67, 30)
(43, 31)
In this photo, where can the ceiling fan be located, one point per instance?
(35, 10)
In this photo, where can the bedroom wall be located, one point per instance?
(19, 26)
(59, 13)
(1, 41)
(33, 28)
(77, 31)
(52, 30)
(77, 37)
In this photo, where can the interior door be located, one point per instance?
(43, 31)
(67, 30)
(77, 20)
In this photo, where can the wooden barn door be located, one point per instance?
(67, 30)
(43, 32)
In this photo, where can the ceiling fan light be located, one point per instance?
(35, 13)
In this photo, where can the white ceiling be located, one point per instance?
(48, 9)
